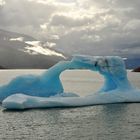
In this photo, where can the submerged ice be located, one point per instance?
(46, 90)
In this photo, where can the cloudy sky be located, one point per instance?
(85, 26)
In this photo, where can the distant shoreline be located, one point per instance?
(136, 69)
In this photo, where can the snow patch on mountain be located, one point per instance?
(35, 47)
(17, 39)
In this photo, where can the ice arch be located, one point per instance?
(112, 68)
(47, 90)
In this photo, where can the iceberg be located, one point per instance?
(47, 91)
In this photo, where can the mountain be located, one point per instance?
(23, 51)
(129, 51)
(8, 35)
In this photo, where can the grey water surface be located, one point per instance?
(101, 122)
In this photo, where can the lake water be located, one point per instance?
(101, 122)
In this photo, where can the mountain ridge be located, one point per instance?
(15, 52)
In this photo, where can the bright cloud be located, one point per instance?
(2, 2)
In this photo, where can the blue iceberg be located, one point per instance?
(47, 90)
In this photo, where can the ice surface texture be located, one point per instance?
(47, 90)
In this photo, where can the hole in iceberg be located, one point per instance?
(81, 82)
